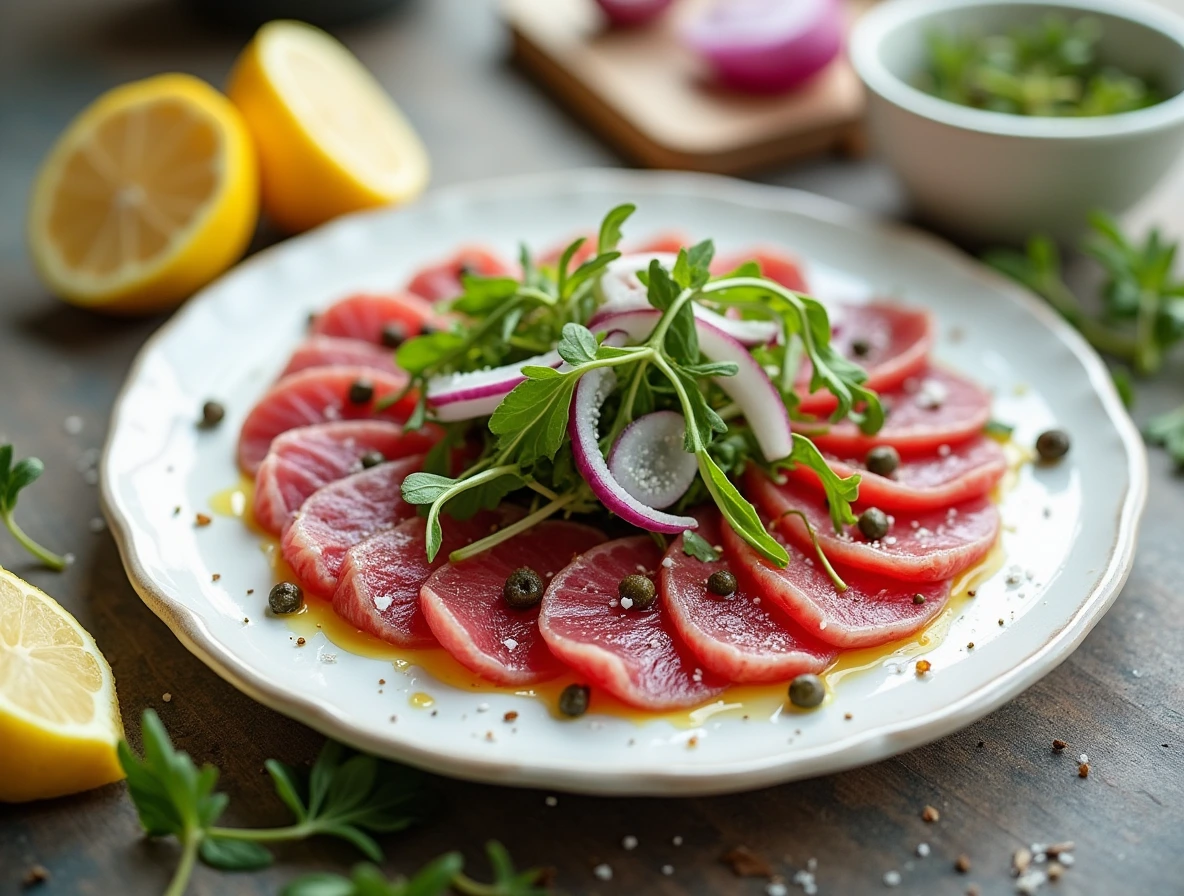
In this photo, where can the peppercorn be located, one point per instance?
(861, 347)
(372, 459)
(883, 460)
(873, 523)
(212, 413)
(393, 335)
(361, 391)
(1052, 445)
(638, 590)
(523, 589)
(573, 702)
(722, 582)
(285, 598)
(807, 691)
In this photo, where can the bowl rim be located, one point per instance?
(886, 18)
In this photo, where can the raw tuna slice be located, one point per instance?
(921, 546)
(742, 637)
(634, 655)
(312, 396)
(893, 344)
(380, 580)
(873, 610)
(777, 266)
(466, 612)
(368, 316)
(934, 408)
(303, 460)
(924, 481)
(335, 351)
(666, 241)
(341, 514)
(440, 281)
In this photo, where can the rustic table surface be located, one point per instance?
(997, 784)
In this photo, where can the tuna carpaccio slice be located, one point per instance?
(305, 459)
(775, 265)
(441, 280)
(923, 481)
(890, 342)
(467, 613)
(339, 515)
(873, 610)
(368, 316)
(741, 637)
(378, 590)
(929, 410)
(336, 351)
(316, 395)
(636, 656)
(921, 546)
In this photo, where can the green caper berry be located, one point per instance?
(638, 590)
(873, 523)
(1052, 445)
(883, 460)
(523, 589)
(212, 413)
(918, 599)
(361, 391)
(372, 459)
(721, 582)
(573, 702)
(393, 335)
(861, 347)
(807, 691)
(285, 598)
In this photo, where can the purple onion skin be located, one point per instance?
(626, 14)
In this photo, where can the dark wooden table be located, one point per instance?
(997, 784)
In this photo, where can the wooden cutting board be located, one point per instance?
(652, 98)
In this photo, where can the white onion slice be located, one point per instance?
(750, 388)
(650, 461)
(583, 427)
(465, 396)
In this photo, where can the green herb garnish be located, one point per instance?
(695, 545)
(527, 447)
(346, 795)
(1050, 68)
(13, 479)
(1168, 430)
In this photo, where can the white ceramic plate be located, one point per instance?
(1069, 530)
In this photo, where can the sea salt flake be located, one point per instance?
(603, 872)
(668, 870)
(943, 450)
(72, 425)
(551, 802)
(668, 562)
(328, 658)
(629, 842)
(626, 603)
(510, 644)
(892, 878)
(776, 888)
(923, 849)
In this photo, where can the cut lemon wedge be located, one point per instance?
(149, 194)
(330, 139)
(59, 720)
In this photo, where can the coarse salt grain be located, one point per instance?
(668, 870)
(1083, 758)
(510, 644)
(667, 562)
(328, 657)
(482, 707)
(97, 525)
(629, 842)
(626, 603)
(943, 450)
(892, 878)
(603, 872)
(776, 888)
(72, 425)
(922, 849)
(551, 802)
(676, 840)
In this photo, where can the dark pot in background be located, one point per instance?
(250, 14)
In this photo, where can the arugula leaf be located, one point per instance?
(692, 269)
(426, 488)
(695, 545)
(418, 354)
(711, 368)
(234, 855)
(565, 262)
(589, 269)
(577, 345)
(682, 339)
(532, 419)
(841, 492)
(741, 515)
(610, 227)
(367, 880)
(13, 480)
(484, 294)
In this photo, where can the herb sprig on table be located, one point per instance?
(14, 478)
(347, 795)
(1140, 314)
(526, 444)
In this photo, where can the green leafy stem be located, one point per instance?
(13, 479)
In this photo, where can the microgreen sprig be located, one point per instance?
(346, 795)
(13, 479)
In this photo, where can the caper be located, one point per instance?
(883, 460)
(638, 590)
(284, 598)
(873, 523)
(372, 459)
(393, 335)
(807, 691)
(212, 413)
(573, 701)
(861, 347)
(1052, 445)
(918, 599)
(360, 391)
(721, 582)
(523, 589)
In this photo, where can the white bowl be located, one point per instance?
(994, 177)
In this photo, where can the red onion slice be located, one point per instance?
(766, 46)
(750, 388)
(649, 459)
(583, 424)
(625, 13)
(464, 396)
